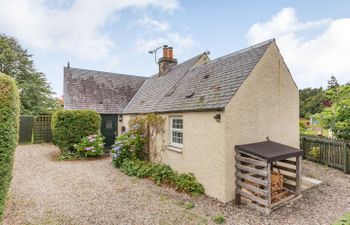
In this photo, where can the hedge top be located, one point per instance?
(8, 90)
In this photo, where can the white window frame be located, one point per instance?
(174, 144)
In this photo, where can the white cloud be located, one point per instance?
(161, 35)
(313, 50)
(174, 39)
(149, 23)
(71, 27)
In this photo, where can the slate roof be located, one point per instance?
(190, 87)
(106, 93)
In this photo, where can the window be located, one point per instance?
(109, 124)
(176, 135)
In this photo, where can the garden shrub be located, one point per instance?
(9, 117)
(90, 146)
(188, 183)
(136, 168)
(70, 126)
(127, 146)
(160, 174)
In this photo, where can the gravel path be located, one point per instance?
(44, 191)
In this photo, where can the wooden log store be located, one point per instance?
(268, 175)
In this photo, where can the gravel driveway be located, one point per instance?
(44, 191)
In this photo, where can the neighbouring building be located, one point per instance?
(210, 106)
(106, 93)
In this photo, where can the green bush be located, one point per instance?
(136, 168)
(90, 146)
(127, 146)
(160, 174)
(9, 117)
(188, 183)
(70, 126)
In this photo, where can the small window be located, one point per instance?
(176, 132)
(109, 124)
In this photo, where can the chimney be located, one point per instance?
(167, 61)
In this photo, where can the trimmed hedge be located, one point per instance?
(70, 126)
(9, 117)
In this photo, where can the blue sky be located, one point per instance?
(111, 35)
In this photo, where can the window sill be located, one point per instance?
(175, 149)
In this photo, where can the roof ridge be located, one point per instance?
(174, 67)
(108, 73)
(243, 50)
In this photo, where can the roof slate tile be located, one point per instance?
(107, 93)
(211, 85)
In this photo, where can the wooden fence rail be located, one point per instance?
(331, 152)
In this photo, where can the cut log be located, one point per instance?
(276, 182)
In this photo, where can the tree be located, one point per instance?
(337, 117)
(311, 101)
(332, 83)
(35, 92)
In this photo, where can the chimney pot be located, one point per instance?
(170, 53)
(165, 51)
(167, 61)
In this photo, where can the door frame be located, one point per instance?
(116, 117)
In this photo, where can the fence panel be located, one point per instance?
(42, 129)
(331, 152)
(26, 125)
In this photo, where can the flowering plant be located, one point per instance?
(91, 145)
(127, 146)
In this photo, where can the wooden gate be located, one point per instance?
(26, 125)
(42, 129)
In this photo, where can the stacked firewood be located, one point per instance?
(277, 191)
(276, 182)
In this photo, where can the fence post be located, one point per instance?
(347, 156)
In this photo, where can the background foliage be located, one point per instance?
(9, 117)
(70, 126)
(311, 101)
(337, 117)
(331, 107)
(35, 92)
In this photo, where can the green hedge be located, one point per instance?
(9, 117)
(70, 126)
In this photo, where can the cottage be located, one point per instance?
(210, 106)
(106, 93)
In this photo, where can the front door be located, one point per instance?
(109, 128)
